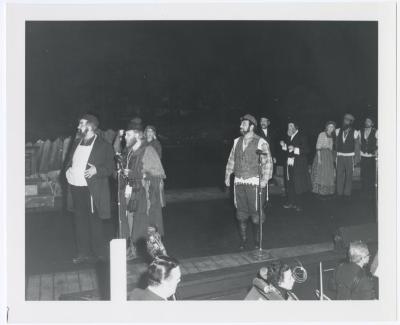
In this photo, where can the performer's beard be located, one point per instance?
(80, 134)
(243, 131)
(131, 143)
(290, 132)
(346, 126)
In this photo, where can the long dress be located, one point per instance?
(323, 174)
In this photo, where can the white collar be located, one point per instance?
(293, 135)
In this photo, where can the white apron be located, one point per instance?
(76, 173)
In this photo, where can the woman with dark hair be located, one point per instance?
(163, 276)
(275, 281)
(323, 169)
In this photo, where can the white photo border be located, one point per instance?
(207, 311)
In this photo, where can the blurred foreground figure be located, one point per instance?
(243, 162)
(273, 282)
(351, 279)
(163, 276)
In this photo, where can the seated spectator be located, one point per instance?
(163, 276)
(351, 280)
(275, 281)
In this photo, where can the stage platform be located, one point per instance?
(225, 276)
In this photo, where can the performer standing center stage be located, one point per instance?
(143, 188)
(243, 162)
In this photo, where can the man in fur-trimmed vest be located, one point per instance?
(243, 163)
(347, 148)
(369, 148)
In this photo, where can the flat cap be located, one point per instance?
(250, 118)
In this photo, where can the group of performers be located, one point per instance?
(252, 158)
(140, 193)
(338, 151)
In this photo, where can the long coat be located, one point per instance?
(302, 179)
(102, 157)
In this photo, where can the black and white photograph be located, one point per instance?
(203, 160)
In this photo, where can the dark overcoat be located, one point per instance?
(302, 179)
(102, 157)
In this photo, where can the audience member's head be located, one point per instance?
(278, 274)
(358, 253)
(164, 275)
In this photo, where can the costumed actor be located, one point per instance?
(142, 189)
(296, 172)
(87, 170)
(243, 163)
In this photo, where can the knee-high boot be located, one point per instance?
(243, 234)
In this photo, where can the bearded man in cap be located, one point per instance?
(369, 151)
(298, 180)
(87, 171)
(142, 188)
(347, 156)
(243, 163)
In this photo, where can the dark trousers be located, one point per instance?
(344, 175)
(368, 175)
(88, 226)
(247, 205)
(293, 197)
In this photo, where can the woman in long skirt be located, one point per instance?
(323, 169)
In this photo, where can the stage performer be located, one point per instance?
(369, 150)
(88, 168)
(267, 134)
(296, 166)
(347, 156)
(243, 163)
(323, 168)
(151, 139)
(143, 188)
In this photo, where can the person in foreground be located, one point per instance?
(351, 280)
(243, 162)
(87, 171)
(275, 282)
(163, 275)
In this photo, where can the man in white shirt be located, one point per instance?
(88, 167)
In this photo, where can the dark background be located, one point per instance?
(194, 79)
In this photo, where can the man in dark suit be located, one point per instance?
(87, 171)
(296, 166)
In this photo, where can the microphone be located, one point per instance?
(260, 152)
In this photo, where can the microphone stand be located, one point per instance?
(119, 169)
(261, 254)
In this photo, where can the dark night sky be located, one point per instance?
(197, 76)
